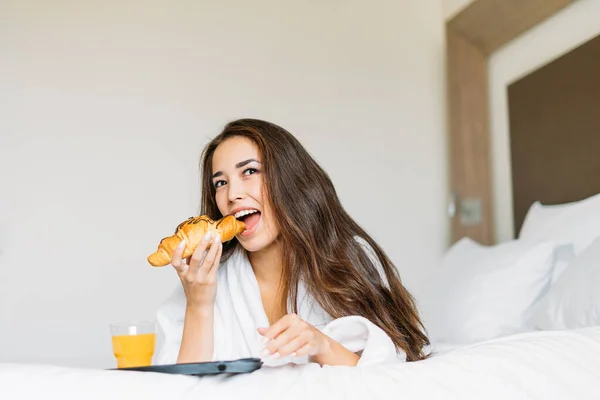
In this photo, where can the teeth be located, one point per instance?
(244, 212)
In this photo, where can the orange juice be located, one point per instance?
(133, 350)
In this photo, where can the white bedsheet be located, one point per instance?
(538, 365)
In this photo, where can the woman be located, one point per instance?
(301, 265)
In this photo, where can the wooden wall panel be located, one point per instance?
(469, 133)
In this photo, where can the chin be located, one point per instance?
(254, 244)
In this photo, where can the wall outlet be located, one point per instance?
(471, 211)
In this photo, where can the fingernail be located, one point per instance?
(264, 340)
(275, 356)
(207, 236)
(218, 237)
(182, 244)
(265, 352)
(293, 354)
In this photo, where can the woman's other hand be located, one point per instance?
(294, 337)
(198, 274)
(291, 336)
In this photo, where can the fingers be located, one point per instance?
(203, 261)
(288, 336)
(284, 323)
(215, 265)
(211, 256)
(292, 347)
(176, 260)
(198, 255)
(306, 350)
(262, 332)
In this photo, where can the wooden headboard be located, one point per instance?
(554, 117)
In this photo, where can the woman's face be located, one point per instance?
(237, 175)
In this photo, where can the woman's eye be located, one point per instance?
(219, 183)
(250, 171)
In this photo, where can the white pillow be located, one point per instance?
(539, 215)
(574, 300)
(576, 223)
(483, 292)
(563, 254)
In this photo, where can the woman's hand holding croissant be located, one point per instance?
(198, 274)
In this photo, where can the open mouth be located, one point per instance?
(250, 218)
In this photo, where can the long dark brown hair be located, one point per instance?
(320, 238)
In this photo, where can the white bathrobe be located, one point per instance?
(239, 312)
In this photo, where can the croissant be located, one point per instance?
(193, 230)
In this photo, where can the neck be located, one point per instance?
(267, 264)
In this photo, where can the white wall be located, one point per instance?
(549, 40)
(107, 104)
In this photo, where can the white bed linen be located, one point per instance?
(544, 365)
(574, 299)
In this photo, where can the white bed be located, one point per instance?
(546, 279)
(539, 365)
(518, 320)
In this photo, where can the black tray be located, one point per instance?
(241, 366)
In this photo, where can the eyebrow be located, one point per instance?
(238, 165)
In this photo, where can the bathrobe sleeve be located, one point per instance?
(237, 313)
(170, 317)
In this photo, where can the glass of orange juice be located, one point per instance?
(133, 343)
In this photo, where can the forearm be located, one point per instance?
(197, 341)
(336, 354)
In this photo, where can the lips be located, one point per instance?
(250, 216)
(251, 222)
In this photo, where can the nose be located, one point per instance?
(236, 191)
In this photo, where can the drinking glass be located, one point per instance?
(133, 343)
